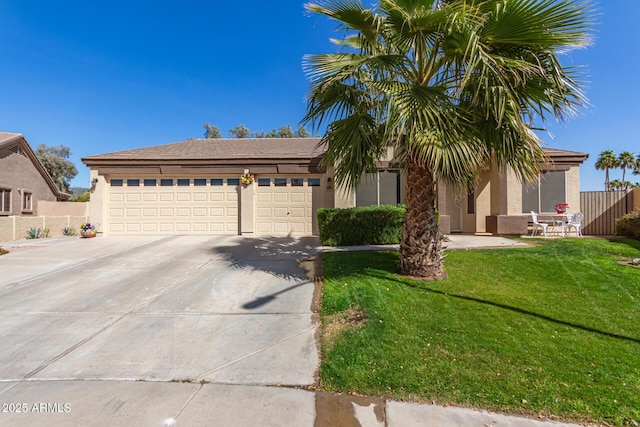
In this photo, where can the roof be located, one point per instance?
(221, 149)
(197, 156)
(566, 156)
(8, 139)
(260, 155)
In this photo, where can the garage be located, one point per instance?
(286, 205)
(173, 206)
(194, 187)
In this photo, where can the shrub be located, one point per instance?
(371, 225)
(629, 225)
(34, 233)
(68, 231)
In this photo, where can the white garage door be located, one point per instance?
(286, 205)
(173, 206)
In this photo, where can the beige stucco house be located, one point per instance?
(23, 179)
(194, 187)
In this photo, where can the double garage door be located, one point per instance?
(276, 206)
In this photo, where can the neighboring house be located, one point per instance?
(23, 179)
(194, 187)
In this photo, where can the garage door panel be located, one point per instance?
(183, 197)
(150, 227)
(116, 197)
(133, 213)
(200, 212)
(298, 197)
(183, 227)
(263, 213)
(167, 227)
(199, 197)
(166, 197)
(280, 197)
(116, 227)
(280, 212)
(116, 213)
(200, 227)
(183, 212)
(298, 212)
(133, 197)
(150, 212)
(150, 197)
(133, 227)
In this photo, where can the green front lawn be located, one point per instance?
(552, 330)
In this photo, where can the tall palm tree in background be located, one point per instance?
(626, 160)
(605, 161)
(453, 85)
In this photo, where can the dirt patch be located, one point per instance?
(629, 263)
(336, 324)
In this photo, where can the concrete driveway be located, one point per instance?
(155, 331)
(176, 331)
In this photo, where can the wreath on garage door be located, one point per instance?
(246, 179)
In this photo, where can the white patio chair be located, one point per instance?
(574, 220)
(539, 224)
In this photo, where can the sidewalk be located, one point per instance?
(454, 241)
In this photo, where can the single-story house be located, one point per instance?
(23, 179)
(196, 187)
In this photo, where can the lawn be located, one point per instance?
(552, 330)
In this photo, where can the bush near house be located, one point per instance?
(371, 225)
(629, 225)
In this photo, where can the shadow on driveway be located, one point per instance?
(278, 256)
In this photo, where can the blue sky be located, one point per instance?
(109, 76)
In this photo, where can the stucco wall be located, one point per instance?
(18, 171)
(63, 208)
(16, 227)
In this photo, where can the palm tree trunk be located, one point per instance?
(421, 245)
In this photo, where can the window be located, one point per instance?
(313, 182)
(379, 188)
(471, 202)
(264, 182)
(133, 183)
(183, 182)
(233, 181)
(5, 201)
(27, 201)
(166, 182)
(150, 182)
(297, 182)
(200, 182)
(543, 194)
(217, 182)
(280, 182)
(116, 183)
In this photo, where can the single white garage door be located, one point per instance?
(286, 206)
(173, 206)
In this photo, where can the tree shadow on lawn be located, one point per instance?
(508, 307)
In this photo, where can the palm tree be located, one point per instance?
(626, 160)
(606, 160)
(616, 185)
(452, 85)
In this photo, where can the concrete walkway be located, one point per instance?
(184, 331)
